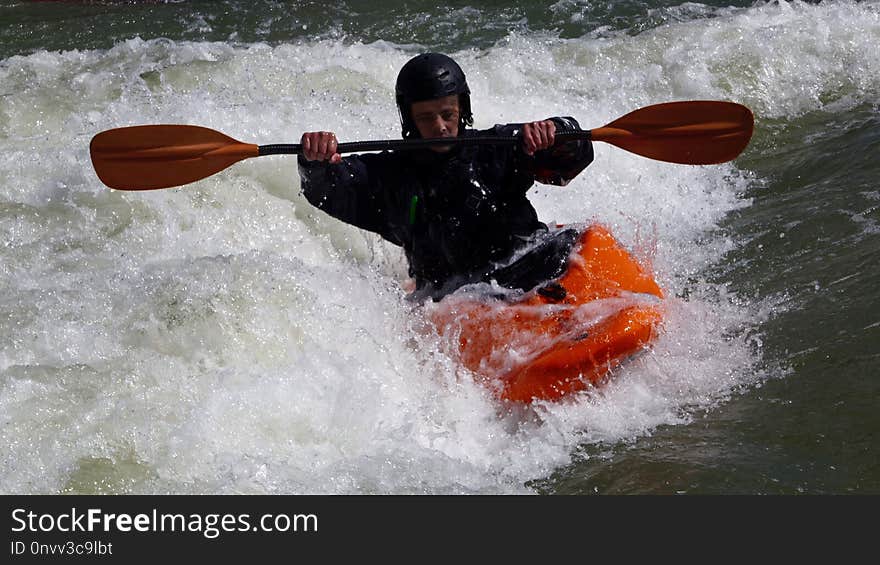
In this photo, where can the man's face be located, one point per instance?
(437, 118)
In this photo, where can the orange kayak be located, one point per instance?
(564, 337)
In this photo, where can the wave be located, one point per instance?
(227, 337)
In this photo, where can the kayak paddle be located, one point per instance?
(162, 156)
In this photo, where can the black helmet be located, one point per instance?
(426, 77)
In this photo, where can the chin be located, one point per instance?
(441, 148)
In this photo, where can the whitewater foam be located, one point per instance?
(228, 337)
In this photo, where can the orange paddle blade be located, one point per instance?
(162, 156)
(698, 132)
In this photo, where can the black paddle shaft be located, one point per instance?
(399, 144)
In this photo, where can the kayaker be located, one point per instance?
(460, 213)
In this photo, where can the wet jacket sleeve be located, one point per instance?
(560, 163)
(352, 191)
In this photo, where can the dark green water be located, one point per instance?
(812, 244)
(30, 26)
(815, 429)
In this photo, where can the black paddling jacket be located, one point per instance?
(458, 215)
